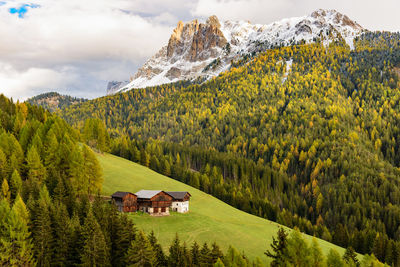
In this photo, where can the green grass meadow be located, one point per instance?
(209, 219)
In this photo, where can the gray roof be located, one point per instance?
(178, 195)
(147, 194)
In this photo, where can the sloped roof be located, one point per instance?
(120, 194)
(178, 195)
(147, 194)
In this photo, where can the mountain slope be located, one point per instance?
(204, 50)
(53, 101)
(309, 133)
(209, 219)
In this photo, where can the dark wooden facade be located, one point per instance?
(157, 204)
(125, 201)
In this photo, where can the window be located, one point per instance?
(155, 210)
(163, 209)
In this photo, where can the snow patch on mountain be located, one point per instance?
(206, 49)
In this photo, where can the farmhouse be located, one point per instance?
(154, 202)
(180, 202)
(125, 201)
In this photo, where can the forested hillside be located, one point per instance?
(306, 135)
(53, 101)
(49, 212)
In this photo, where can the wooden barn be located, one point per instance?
(154, 202)
(125, 201)
(180, 201)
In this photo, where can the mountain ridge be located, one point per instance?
(203, 50)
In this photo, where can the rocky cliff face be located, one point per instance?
(205, 49)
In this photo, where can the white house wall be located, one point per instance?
(180, 206)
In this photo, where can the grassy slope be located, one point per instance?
(209, 219)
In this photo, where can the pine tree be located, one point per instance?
(334, 259)
(76, 242)
(41, 229)
(161, 260)
(15, 244)
(95, 251)
(92, 171)
(279, 248)
(122, 232)
(141, 253)
(16, 184)
(216, 253)
(3, 165)
(195, 251)
(317, 258)
(176, 257)
(62, 233)
(36, 170)
(205, 256)
(298, 250)
(5, 191)
(350, 256)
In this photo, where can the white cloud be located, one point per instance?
(74, 33)
(76, 46)
(371, 14)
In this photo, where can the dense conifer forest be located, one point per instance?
(305, 135)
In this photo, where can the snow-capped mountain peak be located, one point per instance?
(204, 49)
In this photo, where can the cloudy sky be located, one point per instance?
(76, 46)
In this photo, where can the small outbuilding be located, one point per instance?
(125, 201)
(180, 202)
(154, 202)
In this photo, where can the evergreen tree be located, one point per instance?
(15, 244)
(205, 256)
(3, 165)
(76, 242)
(95, 251)
(5, 191)
(297, 250)
(279, 248)
(350, 256)
(216, 253)
(36, 170)
(62, 233)
(317, 258)
(42, 230)
(195, 251)
(92, 171)
(140, 252)
(334, 259)
(16, 184)
(161, 260)
(176, 257)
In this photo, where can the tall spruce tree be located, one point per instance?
(215, 253)
(62, 233)
(16, 184)
(92, 170)
(16, 248)
(5, 191)
(205, 256)
(161, 260)
(140, 252)
(41, 229)
(279, 248)
(95, 251)
(36, 170)
(176, 257)
(195, 251)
